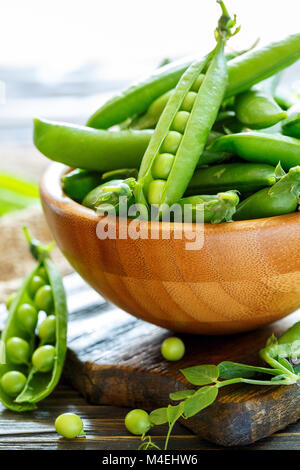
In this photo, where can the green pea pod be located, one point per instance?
(108, 194)
(82, 147)
(212, 208)
(101, 151)
(122, 173)
(281, 198)
(182, 131)
(39, 385)
(258, 110)
(12, 328)
(36, 385)
(244, 177)
(291, 126)
(153, 113)
(260, 147)
(78, 183)
(244, 72)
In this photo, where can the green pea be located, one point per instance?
(47, 330)
(180, 121)
(162, 165)
(35, 284)
(10, 300)
(27, 316)
(171, 142)
(17, 350)
(69, 425)
(137, 422)
(43, 273)
(43, 358)
(173, 349)
(44, 298)
(198, 82)
(13, 382)
(188, 102)
(155, 191)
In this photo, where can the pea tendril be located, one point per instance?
(279, 356)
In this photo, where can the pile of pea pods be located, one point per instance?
(219, 133)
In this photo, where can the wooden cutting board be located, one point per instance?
(115, 359)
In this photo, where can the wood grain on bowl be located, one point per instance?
(247, 273)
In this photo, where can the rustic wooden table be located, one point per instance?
(104, 425)
(105, 429)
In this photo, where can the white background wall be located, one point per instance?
(59, 35)
(61, 59)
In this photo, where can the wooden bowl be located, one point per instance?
(246, 275)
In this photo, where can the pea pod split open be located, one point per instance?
(183, 128)
(28, 374)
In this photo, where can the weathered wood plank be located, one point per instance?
(115, 359)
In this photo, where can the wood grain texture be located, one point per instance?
(246, 275)
(114, 358)
(106, 431)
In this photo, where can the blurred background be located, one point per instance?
(62, 59)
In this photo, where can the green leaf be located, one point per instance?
(204, 397)
(159, 416)
(174, 413)
(233, 370)
(181, 394)
(201, 375)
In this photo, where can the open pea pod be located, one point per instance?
(40, 384)
(13, 329)
(21, 384)
(183, 128)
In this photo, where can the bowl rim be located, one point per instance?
(51, 191)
